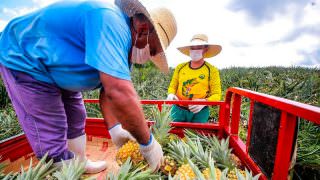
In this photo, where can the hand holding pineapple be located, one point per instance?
(120, 136)
(153, 153)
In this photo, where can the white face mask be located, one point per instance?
(140, 56)
(196, 55)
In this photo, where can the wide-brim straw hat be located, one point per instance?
(162, 20)
(200, 40)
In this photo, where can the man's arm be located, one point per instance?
(119, 102)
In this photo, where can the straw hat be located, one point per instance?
(199, 40)
(163, 22)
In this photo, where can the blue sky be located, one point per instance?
(251, 32)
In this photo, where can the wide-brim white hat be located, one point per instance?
(162, 20)
(200, 40)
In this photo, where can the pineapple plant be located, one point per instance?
(245, 175)
(220, 151)
(203, 158)
(40, 171)
(210, 173)
(181, 153)
(72, 170)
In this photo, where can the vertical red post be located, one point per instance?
(288, 124)
(235, 119)
(222, 111)
(249, 125)
(160, 107)
(225, 123)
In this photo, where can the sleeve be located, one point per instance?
(174, 81)
(108, 42)
(215, 85)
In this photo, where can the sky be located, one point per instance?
(252, 33)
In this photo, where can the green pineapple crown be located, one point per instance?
(70, 170)
(161, 127)
(128, 171)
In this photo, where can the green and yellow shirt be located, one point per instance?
(200, 83)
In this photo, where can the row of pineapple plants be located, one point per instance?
(196, 156)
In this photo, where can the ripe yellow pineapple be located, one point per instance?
(130, 149)
(236, 161)
(232, 175)
(180, 152)
(206, 173)
(160, 132)
(185, 172)
(169, 166)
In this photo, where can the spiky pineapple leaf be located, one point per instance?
(248, 176)
(196, 170)
(40, 171)
(161, 127)
(179, 151)
(73, 169)
(200, 155)
(220, 151)
(127, 172)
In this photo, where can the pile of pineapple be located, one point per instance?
(195, 156)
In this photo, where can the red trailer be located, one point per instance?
(271, 135)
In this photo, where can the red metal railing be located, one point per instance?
(226, 126)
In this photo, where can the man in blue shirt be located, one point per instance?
(49, 56)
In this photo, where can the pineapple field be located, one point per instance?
(197, 155)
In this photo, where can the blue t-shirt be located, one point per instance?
(68, 43)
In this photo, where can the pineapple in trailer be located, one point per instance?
(130, 149)
(128, 171)
(202, 157)
(160, 130)
(181, 153)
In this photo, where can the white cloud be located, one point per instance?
(232, 29)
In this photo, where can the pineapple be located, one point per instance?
(185, 172)
(40, 171)
(210, 173)
(72, 170)
(244, 175)
(232, 175)
(127, 171)
(169, 166)
(203, 158)
(130, 149)
(160, 131)
(220, 151)
(236, 161)
(181, 153)
(206, 173)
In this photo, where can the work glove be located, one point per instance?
(197, 108)
(153, 153)
(172, 97)
(120, 136)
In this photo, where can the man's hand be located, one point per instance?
(120, 103)
(153, 153)
(172, 97)
(120, 136)
(197, 108)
